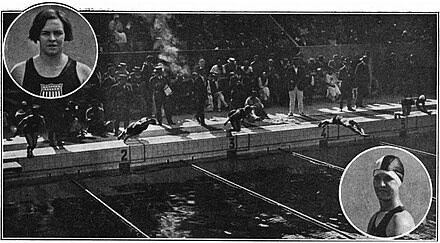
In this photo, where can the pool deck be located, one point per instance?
(187, 140)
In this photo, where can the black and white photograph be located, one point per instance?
(219, 121)
(389, 184)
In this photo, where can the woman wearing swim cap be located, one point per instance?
(392, 219)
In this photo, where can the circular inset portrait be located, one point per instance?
(50, 51)
(385, 192)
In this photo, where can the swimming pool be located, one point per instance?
(178, 201)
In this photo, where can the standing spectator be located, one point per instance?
(52, 111)
(130, 34)
(147, 72)
(161, 95)
(362, 79)
(230, 66)
(31, 126)
(297, 82)
(122, 68)
(346, 77)
(200, 97)
(217, 90)
(311, 75)
(137, 101)
(71, 126)
(332, 82)
(109, 79)
(116, 28)
(258, 67)
(263, 87)
(200, 68)
(181, 98)
(238, 93)
(284, 96)
(22, 112)
(247, 77)
(335, 62)
(217, 69)
(321, 63)
(95, 119)
(118, 97)
(9, 130)
(273, 77)
(81, 114)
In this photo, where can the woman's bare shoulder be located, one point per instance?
(83, 71)
(401, 223)
(17, 72)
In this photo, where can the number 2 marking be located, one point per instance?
(124, 155)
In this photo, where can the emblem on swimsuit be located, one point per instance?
(51, 90)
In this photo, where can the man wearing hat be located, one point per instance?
(161, 95)
(118, 96)
(147, 72)
(284, 71)
(95, 119)
(346, 77)
(321, 62)
(392, 219)
(362, 80)
(200, 97)
(122, 68)
(230, 66)
(116, 30)
(297, 82)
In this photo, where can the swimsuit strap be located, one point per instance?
(386, 220)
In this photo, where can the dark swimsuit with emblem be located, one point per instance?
(63, 84)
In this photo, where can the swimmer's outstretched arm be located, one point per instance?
(421, 106)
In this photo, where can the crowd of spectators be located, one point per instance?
(120, 93)
(139, 32)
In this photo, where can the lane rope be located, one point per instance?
(313, 160)
(124, 220)
(410, 149)
(271, 201)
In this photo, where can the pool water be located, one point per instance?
(180, 202)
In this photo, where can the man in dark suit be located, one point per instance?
(346, 76)
(296, 84)
(200, 97)
(362, 80)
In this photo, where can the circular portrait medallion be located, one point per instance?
(50, 51)
(385, 192)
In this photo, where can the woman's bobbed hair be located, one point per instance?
(40, 21)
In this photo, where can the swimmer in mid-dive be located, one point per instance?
(136, 128)
(408, 102)
(236, 116)
(392, 219)
(350, 124)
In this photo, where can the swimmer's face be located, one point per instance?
(52, 37)
(385, 186)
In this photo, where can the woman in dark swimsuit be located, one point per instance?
(51, 73)
(392, 219)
